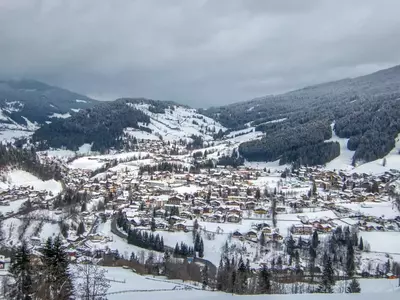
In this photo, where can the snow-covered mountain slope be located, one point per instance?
(27, 104)
(176, 122)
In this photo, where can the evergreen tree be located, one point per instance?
(201, 248)
(290, 245)
(350, 266)
(361, 244)
(241, 278)
(81, 229)
(264, 283)
(315, 240)
(153, 225)
(262, 239)
(21, 271)
(354, 286)
(56, 266)
(328, 280)
(205, 276)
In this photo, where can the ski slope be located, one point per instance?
(177, 123)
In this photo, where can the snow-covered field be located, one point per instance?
(344, 160)
(388, 242)
(386, 209)
(128, 281)
(86, 163)
(10, 135)
(177, 123)
(23, 178)
(14, 206)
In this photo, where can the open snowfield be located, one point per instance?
(140, 134)
(187, 189)
(370, 289)
(383, 241)
(12, 135)
(273, 166)
(59, 153)
(14, 206)
(95, 162)
(385, 209)
(344, 160)
(23, 178)
(85, 163)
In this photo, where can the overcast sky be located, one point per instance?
(196, 52)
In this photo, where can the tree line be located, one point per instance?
(28, 160)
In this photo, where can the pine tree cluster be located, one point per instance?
(48, 279)
(183, 250)
(146, 240)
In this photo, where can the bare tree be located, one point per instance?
(92, 282)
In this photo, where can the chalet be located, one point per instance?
(237, 235)
(35, 240)
(301, 229)
(233, 218)
(281, 209)
(174, 201)
(215, 218)
(266, 229)
(186, 215)
(250, 205)
(180, 226)
(251, 235)
(260, 211)
(215, 203)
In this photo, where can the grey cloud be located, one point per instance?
(195, 52)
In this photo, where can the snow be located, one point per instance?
(242, 131)
(80, 101)
(374, 209)
(177, 123)
(273, 166)
(14, 206)
(269, 122)
(2, 116)
(85, 149)
(76, 109)
(187, 189)
(86, 163)
(376, 166)
(49, 230)
(118, 243)
(10, 231)
(388, 241)
(140, 134)
(128, 280)
(11, 135)
(60, 116)
(23, 178)
(30, 125)
(344, 160)
(59, 153)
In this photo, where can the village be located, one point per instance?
(163, 188)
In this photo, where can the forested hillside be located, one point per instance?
(109, 124)
(101, 126)
(365, 109)
(37, 101)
